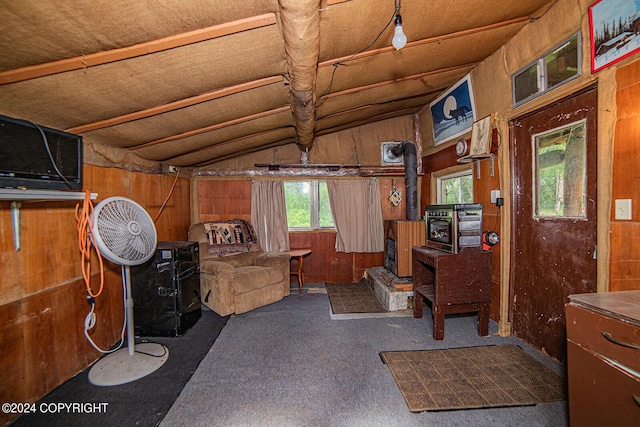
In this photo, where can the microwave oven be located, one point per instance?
(454, 228)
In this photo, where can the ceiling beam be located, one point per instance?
(211, 128)
(301, 33)
(398, 80)
(183, 103)
(435, 39)
(250, 150)
(376, 118)
(223, 143)
(154, 46)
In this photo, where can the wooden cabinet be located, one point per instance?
(603, 359)
(401, 236)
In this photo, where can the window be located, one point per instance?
(561, 172)
(308, 205)
(455, 186)
(560, 65)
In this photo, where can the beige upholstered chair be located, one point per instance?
(236, 276)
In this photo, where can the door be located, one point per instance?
(553, 169)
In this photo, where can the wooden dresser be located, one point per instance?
(603, 359)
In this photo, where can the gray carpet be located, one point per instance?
(289, 364)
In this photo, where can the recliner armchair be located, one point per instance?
(240, 277)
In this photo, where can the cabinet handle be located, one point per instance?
(609, 337)
(636, 399)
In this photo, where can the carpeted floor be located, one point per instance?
(472, 377)
(144, 402)
(288, 364)
(346, 298)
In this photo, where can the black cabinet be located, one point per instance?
(166, 290)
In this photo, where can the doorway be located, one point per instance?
(553, 248)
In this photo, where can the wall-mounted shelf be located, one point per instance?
(477, 157)
(17, 196)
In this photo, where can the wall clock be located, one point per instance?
(462, 148)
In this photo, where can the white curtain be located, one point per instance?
(357, 215)
(269, 215)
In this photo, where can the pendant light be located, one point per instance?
(399, 37)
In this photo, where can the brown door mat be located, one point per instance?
(353, 298)
(472, 377)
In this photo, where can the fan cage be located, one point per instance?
(123, 231)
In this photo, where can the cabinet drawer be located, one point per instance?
(587, 327)
(599, 393)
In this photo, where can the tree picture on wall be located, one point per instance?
(615, 31)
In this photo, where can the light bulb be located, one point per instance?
(399, 38)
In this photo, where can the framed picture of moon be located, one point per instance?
(453, 112)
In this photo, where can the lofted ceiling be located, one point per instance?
(195, 82)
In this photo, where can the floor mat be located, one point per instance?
(353, 298)
(472, 377)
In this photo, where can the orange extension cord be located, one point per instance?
(85, 228)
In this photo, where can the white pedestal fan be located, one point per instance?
(124, 233)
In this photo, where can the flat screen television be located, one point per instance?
(38, 157)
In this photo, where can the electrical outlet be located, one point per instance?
(623, 209)
(495, 195)
(173, 169)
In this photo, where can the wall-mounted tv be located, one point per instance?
(38, 157)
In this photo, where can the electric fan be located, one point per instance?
(124, 233)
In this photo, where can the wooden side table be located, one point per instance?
(453, 283)
(298, 255)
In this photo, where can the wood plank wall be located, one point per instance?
(42, 294)
(624, 261)
(228, 199)
(481, 194)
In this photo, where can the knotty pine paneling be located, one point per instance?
(42, 293)
(389, 211)
(624, 264)
(12, 360)
(624, 255)
(224, 199)
(325, 265)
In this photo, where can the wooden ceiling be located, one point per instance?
(195, 82)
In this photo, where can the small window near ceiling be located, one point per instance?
(560, 172)
(456, 187)
(556, 67)
(308, 205)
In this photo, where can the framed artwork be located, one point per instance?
(453, 112)
(614, 27)
(481, 137)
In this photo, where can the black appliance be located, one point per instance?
(454, 228)
(166, 290)
(38, 157)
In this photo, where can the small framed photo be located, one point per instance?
(453, 112)
(614, 27)
(481, 136)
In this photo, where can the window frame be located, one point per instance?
(542, 73)
(536, 175)
(314, 206)
(452, 172)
